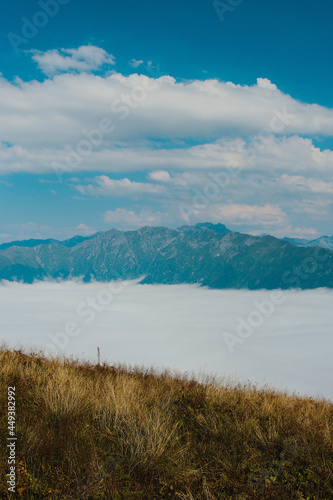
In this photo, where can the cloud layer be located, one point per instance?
(144, 106)
(181, 327)
(85, 58)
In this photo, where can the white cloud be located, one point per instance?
(199, 127)
(142, 107)
(313, 207)
(300, 183)
(255, 218)
(85, 58)
(251, 214)
(131, 219)
(264, 83)
(286, 154)
(135, 63)
(104, 186)
(168, 326)
(160, 176)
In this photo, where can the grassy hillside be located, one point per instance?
(87, 432)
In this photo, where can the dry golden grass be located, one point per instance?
(91, 432)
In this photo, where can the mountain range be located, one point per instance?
(323, 241)
(207, 254)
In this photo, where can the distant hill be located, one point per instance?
(27, 243)
(207, 254)
(323, 241)
(35, 243)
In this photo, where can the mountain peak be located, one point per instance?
(217, 228)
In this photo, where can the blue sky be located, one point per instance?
(186, 116)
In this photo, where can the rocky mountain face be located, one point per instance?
(206, 254)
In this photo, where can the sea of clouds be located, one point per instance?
(283, 339)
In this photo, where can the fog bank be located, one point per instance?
(284, 339)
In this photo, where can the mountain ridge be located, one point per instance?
(322, 241)
(206, 254)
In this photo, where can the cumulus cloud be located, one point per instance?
(160, 175)
(143, 107)
(264, 83)
(85, 58)
(166, 326)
